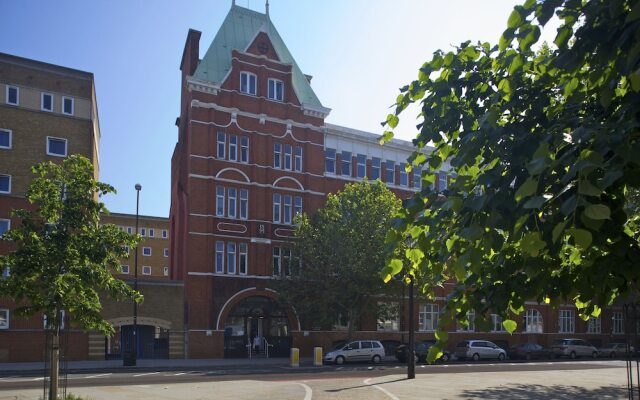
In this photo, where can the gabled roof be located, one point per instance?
(238, 30)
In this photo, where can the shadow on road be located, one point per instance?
(362, 386)
(540, 392)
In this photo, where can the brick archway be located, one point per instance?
(251, 292)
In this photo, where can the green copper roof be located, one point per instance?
(239, 28)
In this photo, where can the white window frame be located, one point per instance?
(144, 270)
(245, 75)
(288, 154)
(8, 221)
(443, 181)
(244, 204)
(431, 310)
(9, 87)
(143, 232)
(221, 145)
(496, 323)
(44, 320)
(276, 261)
(152, 232)
(286, 209)
(219, 257)
(471, 317)
(144, 251)
(376, 168)
(617, 323)
(243, 258)
(417, 177)
(533, 321)
(594, 325)
(165, 252)
(297, 205)
(66, 146)
(231, 258)
(272, 85)
(165, 271)
(125, 269)
(277, 155)
(232, 205)
(387, 323)
(4, 322)
(277, 201)
(42, 96)
(71, 99)
(9, 187)
(391, 171)
(233, 147)
(566, 321)
(404, 177)
(10, 133)
(165, 234)
(330, 161)
(244, 149)
(361, 165)
(130, 230)
(297, 164)
(220, 206)
(346, 159)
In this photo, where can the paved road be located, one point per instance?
(272, 374)
(531, 381)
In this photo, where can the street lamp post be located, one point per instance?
(135, 281)
(411, 370)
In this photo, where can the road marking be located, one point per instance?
(383, 390)
(179, 373)
(148, 373)
(307, 391)
(37, 379)
(96, 376)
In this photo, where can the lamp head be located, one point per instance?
(138, 187)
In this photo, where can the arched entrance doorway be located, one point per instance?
(261, 317)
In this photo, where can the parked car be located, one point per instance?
(357, 350)
(614, 350)
(421, 352)
(573, 348)
(479, 349)
(530, 351)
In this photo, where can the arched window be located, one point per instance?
(533, 321)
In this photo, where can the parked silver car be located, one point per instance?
(357, 350)
(573, 348)
(614, 350)
(479, 349)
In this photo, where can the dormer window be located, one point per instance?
(248, 83)
(276, 90)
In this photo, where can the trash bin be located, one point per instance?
(128, 359)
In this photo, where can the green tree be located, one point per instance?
(63, 255)
(544, 149)
(342, 250)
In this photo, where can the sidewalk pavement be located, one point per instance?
(153, 364)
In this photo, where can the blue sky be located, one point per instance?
(358, 51)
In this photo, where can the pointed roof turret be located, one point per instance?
(239, 29)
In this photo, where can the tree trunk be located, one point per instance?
(55, 359)
(350, 327)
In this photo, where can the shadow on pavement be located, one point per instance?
(540, 392)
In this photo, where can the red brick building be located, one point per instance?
(254, 150)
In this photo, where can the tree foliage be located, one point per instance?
(342, 248)
(544, 149)
(63, 255)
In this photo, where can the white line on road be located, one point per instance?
(37, 379)
(307, 391)
(179, 373)
(148, 373)
(383, 390)
(96, 376)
